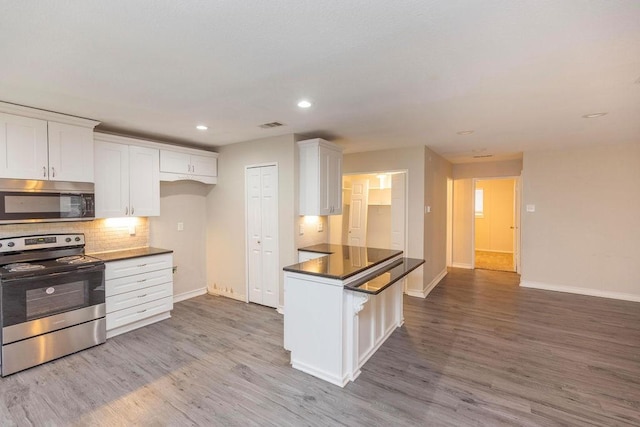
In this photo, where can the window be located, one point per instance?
(479, 203)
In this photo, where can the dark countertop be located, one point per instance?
(129, 253)
(341, 261)
(381, 280)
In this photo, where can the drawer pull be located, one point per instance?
(142, 280)
(142, 296)
(142, 265)
(140, 312)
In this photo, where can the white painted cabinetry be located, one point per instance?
(320, 177)
(36, 148)
(188, 165)
(127, 179)
(139, 291)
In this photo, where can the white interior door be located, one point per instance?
(263, 274)
(358, 212)
(398, 211)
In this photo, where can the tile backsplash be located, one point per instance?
(100, 234)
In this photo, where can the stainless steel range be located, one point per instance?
(51, 299)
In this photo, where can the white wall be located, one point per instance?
(584, 235)
(487, 169)
(183, 201)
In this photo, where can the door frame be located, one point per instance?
(246, 229)
(516, 218)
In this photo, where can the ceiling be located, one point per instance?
(380, 74)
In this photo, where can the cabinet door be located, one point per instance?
(112, 179)
(144, 184)
(70, 153)
(325, 181)
(204, 165)
(171, 161)
(23, 147)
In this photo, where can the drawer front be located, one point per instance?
(139, 312)
(137, 282)
(139, 296)
(129, 267)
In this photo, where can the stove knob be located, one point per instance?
(77, 239)
(11, 244)
(68, 239)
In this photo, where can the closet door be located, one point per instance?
(263, 273)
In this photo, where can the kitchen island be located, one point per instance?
(341, 307)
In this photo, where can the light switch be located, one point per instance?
(132, 230)
(320, 226)
(181, 226)
(301, 229)
(531, 208)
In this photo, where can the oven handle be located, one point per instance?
(80, 269)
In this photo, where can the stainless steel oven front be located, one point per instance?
(50, 315)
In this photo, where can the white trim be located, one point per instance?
(580, 291)
(189, 294)
(430, 286)
(462, 265)
(280, 309)
(323, 375)
(21, 110)
(227, 294)
(141, 142)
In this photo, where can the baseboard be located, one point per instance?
(280, 309)
(494, 251)
(189, 294)
(320, 373)
(580, 291)
(462, 265)
(423, 293)
(227, 293)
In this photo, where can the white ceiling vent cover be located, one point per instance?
(271, 125)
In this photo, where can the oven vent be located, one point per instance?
(271, 125)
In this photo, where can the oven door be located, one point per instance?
(35, 305)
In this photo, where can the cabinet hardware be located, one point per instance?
(142, 265)
(142, 296)
(143, 280)
(131, 210)
(44, 171)
(126, 210)
(140, 312)
(53, 171)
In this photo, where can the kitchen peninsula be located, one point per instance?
(341, 307)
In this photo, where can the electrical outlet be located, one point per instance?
(301, 229)
(132, 230)
(531, 208)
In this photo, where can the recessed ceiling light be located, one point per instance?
(304, 104)
(465, 132)
(593, 115)
(202, 127)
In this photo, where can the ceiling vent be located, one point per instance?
(482, 156)
(271, 125)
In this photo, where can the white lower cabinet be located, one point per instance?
(139, 291)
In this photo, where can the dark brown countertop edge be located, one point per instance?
(292, 269)
(129, 253)
(408, 264)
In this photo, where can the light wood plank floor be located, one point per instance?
(478, 351)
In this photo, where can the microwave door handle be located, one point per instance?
(83, 206)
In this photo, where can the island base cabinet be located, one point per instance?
(330, 331)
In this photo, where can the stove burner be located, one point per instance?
(74, 259)
(23, 266)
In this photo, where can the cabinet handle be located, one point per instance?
(193, 168)
(131, 210)
(142, 296)
(44, 171)
(126, 210)
(53, 171)
(143, 280)
(142, 265)
(140, 312)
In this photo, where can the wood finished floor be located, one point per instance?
(478, 351)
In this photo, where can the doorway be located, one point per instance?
(496, 224)
(263, 273)
(374, 211)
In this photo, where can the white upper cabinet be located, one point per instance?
(70, 153)
(320, 177)
(126, 177)
(188, 164)
(23, 147)
(37, 144)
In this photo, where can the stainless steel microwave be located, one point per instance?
(45, 201)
